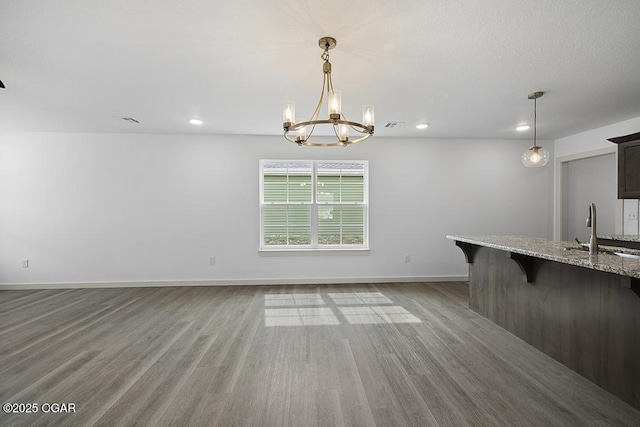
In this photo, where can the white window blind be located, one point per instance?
(313, 204)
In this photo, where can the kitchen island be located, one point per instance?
(583, 310)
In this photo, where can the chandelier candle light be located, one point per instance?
(535, 156)
(341, 126)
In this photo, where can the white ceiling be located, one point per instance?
(463, 66)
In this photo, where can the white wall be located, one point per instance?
(594, 139)
(127, 207)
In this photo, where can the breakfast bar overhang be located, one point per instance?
(583, 310)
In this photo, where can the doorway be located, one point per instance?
(584, 179)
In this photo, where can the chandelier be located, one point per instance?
(535, 156)
(300, 133)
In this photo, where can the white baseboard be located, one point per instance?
(232, 282)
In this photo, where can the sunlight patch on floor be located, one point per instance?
(299, 316)
(279, 300)
(356, 308)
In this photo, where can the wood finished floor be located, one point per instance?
(384, 355)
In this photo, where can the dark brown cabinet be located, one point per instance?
(628, 165)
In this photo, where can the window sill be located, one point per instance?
(313, 251)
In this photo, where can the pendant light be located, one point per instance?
(535, 156)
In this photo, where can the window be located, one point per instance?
(313, 204)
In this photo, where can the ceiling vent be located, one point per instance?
(393, 124)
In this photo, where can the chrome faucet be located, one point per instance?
(591, 222)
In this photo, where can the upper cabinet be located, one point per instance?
(628, 165)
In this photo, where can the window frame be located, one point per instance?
(315, 205)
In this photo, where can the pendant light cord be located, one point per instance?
(535, 121)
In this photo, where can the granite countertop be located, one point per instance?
(555, 250)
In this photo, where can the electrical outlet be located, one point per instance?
(212, 260)
(25, 263)
(407, 258)
(631, 215)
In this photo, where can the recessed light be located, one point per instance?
(522, 128)
(195, 121)
(422, 126)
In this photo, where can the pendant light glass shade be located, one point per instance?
(535, 157)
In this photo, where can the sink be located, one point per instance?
(626, 255)
(585, 247)
(601, 250)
